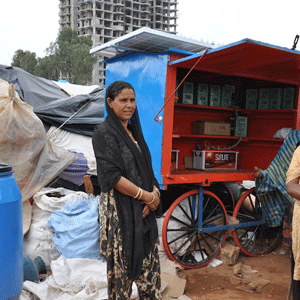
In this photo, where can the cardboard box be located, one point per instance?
(211, 127)
(264, 98)
(214, 160)
(202, 94)
(275, 98)
(251, 98)
(188, 162)
(227, 92)
(288, 98)
(188, 92)
(240, 126)
(215, 95)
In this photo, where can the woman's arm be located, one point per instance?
(128, 188)
(293, 188)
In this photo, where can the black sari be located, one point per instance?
(116, 156)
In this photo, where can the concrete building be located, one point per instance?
(106, 20)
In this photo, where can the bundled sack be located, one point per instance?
(75, 227)
(38, 241)
(36, 161)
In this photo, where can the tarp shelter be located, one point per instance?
(53, 105)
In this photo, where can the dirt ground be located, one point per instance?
(269, 278)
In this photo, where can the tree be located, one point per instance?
(47, 68)
(68, 57)
(25, 60)
(72, 56)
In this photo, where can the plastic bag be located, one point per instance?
(35, 160)
(76, 223)
(38, 241)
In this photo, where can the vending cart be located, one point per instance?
(209, 119)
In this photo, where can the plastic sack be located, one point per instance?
(75, 227)
(38, 241)
(24, 145)
(282, 133)
(74, 279)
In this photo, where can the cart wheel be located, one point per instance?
(224, 193)
(253, 240)
(189, 237)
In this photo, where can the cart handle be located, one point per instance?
(156, 117)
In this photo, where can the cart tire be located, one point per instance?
(182, 240)
(224, 193)
(253, 240)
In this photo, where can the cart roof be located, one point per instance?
(248, 58)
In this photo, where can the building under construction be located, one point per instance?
(106, 20)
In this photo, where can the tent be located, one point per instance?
(54, 105)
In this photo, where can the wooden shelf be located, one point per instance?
(205, 136)
(225, 137)
(231, 109)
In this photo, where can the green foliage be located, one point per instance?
(25, 60)
(68, 57)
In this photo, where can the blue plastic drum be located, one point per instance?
(11, 235)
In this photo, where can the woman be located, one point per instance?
(129, 198)
(293, 188)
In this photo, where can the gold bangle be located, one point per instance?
(138, 193)
(141, 194)
(153, 198)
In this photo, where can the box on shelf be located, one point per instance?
(215, 95)
(210, 127)
(188, 162)
(251, 98)
(240, 126)
(202, 94)
(214, 160)
(174, 160)
(227, 91)
(288, 98)
(264, 98)
(188, 92)
(275, 98)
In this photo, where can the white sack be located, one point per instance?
(74, 279)
(38, 241)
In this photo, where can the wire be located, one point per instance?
(156, 118)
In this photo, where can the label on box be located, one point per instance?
(214, 159)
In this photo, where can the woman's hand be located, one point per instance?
(151, 199)
(146, 211)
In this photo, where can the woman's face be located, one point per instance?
(123, 105)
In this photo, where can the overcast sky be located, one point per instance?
(33, 24)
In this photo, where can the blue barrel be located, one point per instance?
(11, 235)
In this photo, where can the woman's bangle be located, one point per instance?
(138, 194)
(153, 198)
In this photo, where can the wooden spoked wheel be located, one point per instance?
(192, 230)
(254, 237)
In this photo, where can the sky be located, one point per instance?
(33, 24)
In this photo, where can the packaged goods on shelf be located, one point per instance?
(227, 91)
(215, 95)
(251, 98)
(288, 98)
(211, 127)
(240, 126)
(202, 94)
(275, 98)
(264, 98)
(188, 92)
(214, 159)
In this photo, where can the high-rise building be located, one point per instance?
(106, 20)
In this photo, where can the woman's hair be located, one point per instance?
(115, 88)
